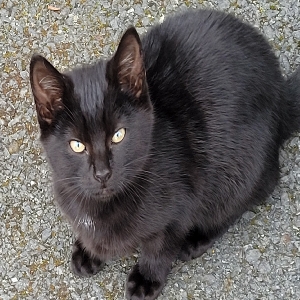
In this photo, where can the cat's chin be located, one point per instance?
(102, 195)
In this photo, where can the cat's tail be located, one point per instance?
(291, 115)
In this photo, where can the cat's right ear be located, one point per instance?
(47, 88)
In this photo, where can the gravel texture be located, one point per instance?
(259, 258)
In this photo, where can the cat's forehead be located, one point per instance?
(90, 85)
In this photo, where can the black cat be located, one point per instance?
(166, 144)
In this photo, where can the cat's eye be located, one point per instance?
(77, 146)
(118, 136)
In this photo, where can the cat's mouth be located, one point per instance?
(103, 194)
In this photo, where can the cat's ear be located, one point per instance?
(128, 63)
(47, 87)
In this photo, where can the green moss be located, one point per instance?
(292, 197)
(295, 252)
(235, 4)
(268, 207)
(139, 24)
(190, 296)
(109, 295)
(147, 11)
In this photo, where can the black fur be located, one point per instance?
(205, 109)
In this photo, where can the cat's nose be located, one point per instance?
(102, 175)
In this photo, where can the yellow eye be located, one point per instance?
(77, 146)
(118, 136)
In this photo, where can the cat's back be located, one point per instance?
(206, 45)
(213, 63)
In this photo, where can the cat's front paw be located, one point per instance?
(82, 263)
(139, 288)
(196, 243)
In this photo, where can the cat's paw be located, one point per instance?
(195, 245)
(82, 263)
(139, 288)
(190, 252)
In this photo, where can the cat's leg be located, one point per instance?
(83, 263)
(148, 277)
(196, 243)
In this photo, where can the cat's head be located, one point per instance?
(95, 121)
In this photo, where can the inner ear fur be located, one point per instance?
(47, 87)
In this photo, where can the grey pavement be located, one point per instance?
(259, 258)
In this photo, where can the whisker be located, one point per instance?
(144, 174)
(66, 179)
(127, 190)
(138, 159)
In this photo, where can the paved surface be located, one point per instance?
(257, 259)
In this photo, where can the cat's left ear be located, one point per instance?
(128, 65)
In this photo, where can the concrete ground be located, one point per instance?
(258, 258)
